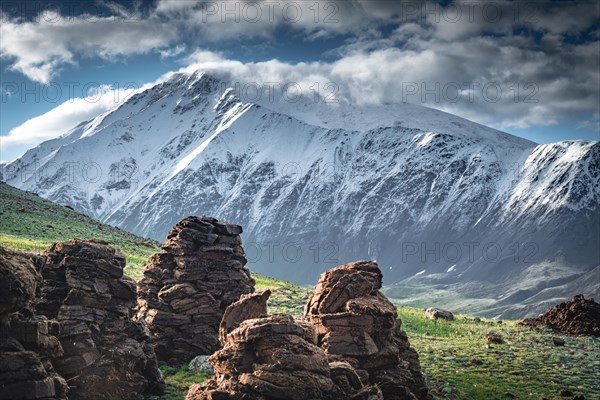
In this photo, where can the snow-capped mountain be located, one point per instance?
(436, 199)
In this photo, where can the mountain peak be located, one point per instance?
(318, 183)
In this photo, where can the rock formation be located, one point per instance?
(579, 316)
(27, 341)
(436, 313)
(18, 282)
(187, 287)
(355, 323)
(493, 337)
(275, 357)
(66, 327)
(106, 354)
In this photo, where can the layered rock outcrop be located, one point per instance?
(18, 282)
(275, 357)
(67, 328)
(27, 341)
(187, 287)
(357, 324)
(106, 355)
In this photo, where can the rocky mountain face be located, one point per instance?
(481, 216)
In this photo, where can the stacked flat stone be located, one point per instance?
(187, 287)
(357, 324)
(275, 357)
(106, 354)
(27, 341)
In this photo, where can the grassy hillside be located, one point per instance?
(459, 362)
(29, 222)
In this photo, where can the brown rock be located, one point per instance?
(494, 337)
(558, 341)
(566, 392)
(249, 306)
(27, 341)
(579, 316)
(23, 376)
(275, 357)
(18, 282)
(436, 313)
(357, 324)
(106, 354)
(187, 287)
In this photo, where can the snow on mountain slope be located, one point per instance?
(557, 175)
(317, 184)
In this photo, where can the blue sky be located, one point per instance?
(530, 69)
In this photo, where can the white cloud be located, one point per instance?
(493, 91)
(172, 52)
(40, 48)
(63, 117)
(393, 75)
(170, 6)
(558, 78)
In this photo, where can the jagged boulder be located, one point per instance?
(187, 287)
(357, 324)
(106, 354)
(27, 341)
(579, 316)
(275, 357)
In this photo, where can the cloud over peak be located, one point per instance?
(503, 63)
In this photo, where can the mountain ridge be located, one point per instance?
(316, 185)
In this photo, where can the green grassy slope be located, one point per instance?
(459, 363)
(29, 222)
